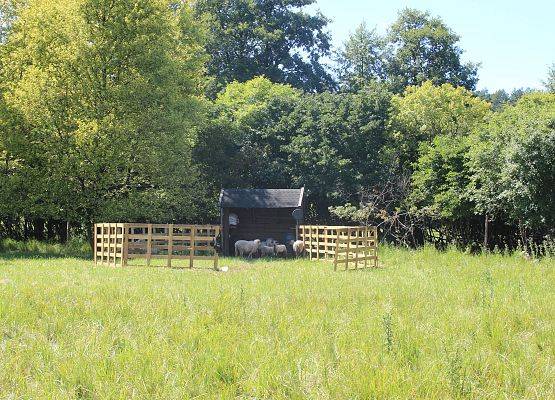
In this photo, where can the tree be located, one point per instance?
(512, 163)
(337, 146)
(422, 48)
(243, 143)
(550, 81)
(425, 112)
(440, 180)
(429, 127)
(99, 102)
(500, 98)
(273, 38)
(361, 59)
(8, 12)
(497, 99)
(264, 134)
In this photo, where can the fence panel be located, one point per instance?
(109, 244)
(354, 246)
(162, 241)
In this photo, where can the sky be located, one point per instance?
(513, 40)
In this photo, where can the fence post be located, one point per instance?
(336, 255)
(348, 248)
(109, 244)
(326, 233)
(216, 233)
(149, 245)
(357, 233)
(310, 238)
(317, 242)
(375, 230)
(192, 246)
(126, 241)
(366, 245)
(94, 244)
(125, 246)
(170, 244)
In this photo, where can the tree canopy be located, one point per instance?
(142, 110)
(417, 48)
(425, 112)
(361, 59)
(424, 49)
(513, 165)
(99, 101)
(274, 38)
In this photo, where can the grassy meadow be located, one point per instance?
(424, 325)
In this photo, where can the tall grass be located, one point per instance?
(424, 325)
(76, 247)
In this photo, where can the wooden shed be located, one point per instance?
(248, 214)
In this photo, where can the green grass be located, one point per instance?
(424, 325)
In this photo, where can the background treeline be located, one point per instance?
(141, 110)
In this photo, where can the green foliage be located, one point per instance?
(99, 108)
(417, 48)
(501, 98)
(337, 144)
(274, 38)
(76, 247)
(440, 180)
(269, 135)
(361, 59)
(104, 116)
(438, 325)
(423, 48)
(512, 159)
(550, 81)
(424, 112)
(244, 143)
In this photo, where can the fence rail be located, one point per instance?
(117, 243)
(355, 246)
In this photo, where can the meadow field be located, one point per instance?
(426, 324)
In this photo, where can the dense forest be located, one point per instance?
(141, 110)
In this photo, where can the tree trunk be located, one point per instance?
(486, 233)
(38, 229)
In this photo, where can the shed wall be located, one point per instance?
(259, 223)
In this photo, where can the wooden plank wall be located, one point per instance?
(352, 246)
(159, 241)
(259, 223)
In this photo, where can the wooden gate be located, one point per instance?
(117, 243)
(354, 246)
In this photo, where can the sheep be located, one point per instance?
(280, 250)
(247, 247)
(298, 248)
(266, 251)
(271, 242)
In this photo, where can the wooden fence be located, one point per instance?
(115, 244)
(355, 246)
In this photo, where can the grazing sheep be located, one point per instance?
(280, 250)
(246, 247)
(266, 251)
(298, 248)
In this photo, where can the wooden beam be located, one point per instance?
(170, 245)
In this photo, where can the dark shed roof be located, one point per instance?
(261, 198)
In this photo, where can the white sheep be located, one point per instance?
(298, 248)
(280, 250)
(246, 247)
(266, 251)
